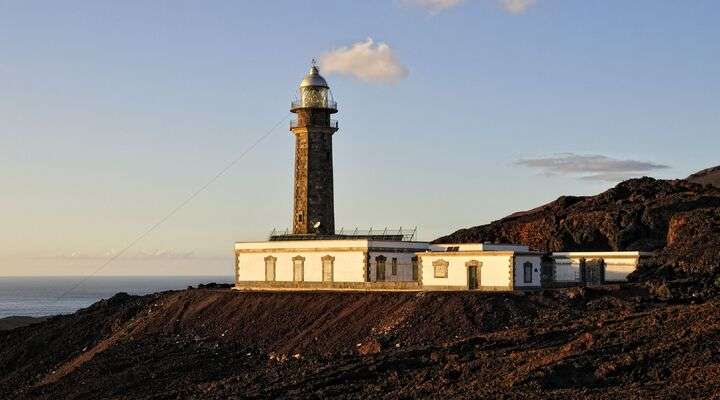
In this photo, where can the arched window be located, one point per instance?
(270, 268)
(327, 268)
(440, 268)
(298, 268)
(528, 272)
(380, 268)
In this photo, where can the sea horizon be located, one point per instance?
(40, 296)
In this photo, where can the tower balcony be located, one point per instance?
(325, 104)
(296, 124)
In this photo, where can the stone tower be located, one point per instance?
(314, 211)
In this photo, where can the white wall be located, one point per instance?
(349, 264)
(404, 267)
(479, 247)
(494, 272)
(567, 270)
(618, 270)
(618, 264)
(347, 267)
(520, 271)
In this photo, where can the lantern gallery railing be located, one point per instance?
(400, 234)
(296, 123)
(329, 104)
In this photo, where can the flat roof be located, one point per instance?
(481, 252)
(330, 245)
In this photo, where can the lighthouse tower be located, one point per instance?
(314, 211)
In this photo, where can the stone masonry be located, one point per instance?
(313, 172)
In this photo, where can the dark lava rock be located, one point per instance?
(677, 219)
(709, 176)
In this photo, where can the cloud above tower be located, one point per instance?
(437, 6)
(590, 167)
(366, 60)
(517, 6)
(433, 6)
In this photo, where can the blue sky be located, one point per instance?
(112, 113)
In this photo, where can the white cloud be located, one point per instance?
(433, 6)
(517, 6)
(591, 167)
(368, 61)
(436, 6)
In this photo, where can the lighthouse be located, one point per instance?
(314, 210)
(316, 256)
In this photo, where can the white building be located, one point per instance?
(315, 256)
(337, 263)
(480, 266)
(384, 264)
(594, 266)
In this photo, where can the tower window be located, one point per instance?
(300, 217)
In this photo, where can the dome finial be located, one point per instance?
(313, 78)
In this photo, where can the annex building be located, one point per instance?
(314, 256)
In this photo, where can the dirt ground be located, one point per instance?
(606, 343)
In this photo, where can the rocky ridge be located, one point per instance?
(709, 176)
(676, 219)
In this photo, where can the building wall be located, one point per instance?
(520, 272)
(495, 271)
(347, 266)
(479, 247)
(567, 270)
(404, 266)
(618, 269)
(618, 264)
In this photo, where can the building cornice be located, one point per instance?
(479, 253)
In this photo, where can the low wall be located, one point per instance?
(436, 288)
(278, 285)
(367, 286)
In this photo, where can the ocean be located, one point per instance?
(38, 296)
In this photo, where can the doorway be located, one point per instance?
(595, 271)
(472, 277)
(380, 268)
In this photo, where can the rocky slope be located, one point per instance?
(603, 343)
(655, 339)
(709, 176)
(18, 321)
(677, 219)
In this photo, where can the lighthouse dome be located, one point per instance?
(314, 79)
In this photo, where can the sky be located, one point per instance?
(452, 114)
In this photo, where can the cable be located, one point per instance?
(176, 209)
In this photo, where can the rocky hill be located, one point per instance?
(17, 322)
(602, 343)
(657, 338)
(677, 219)
(709, 176)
